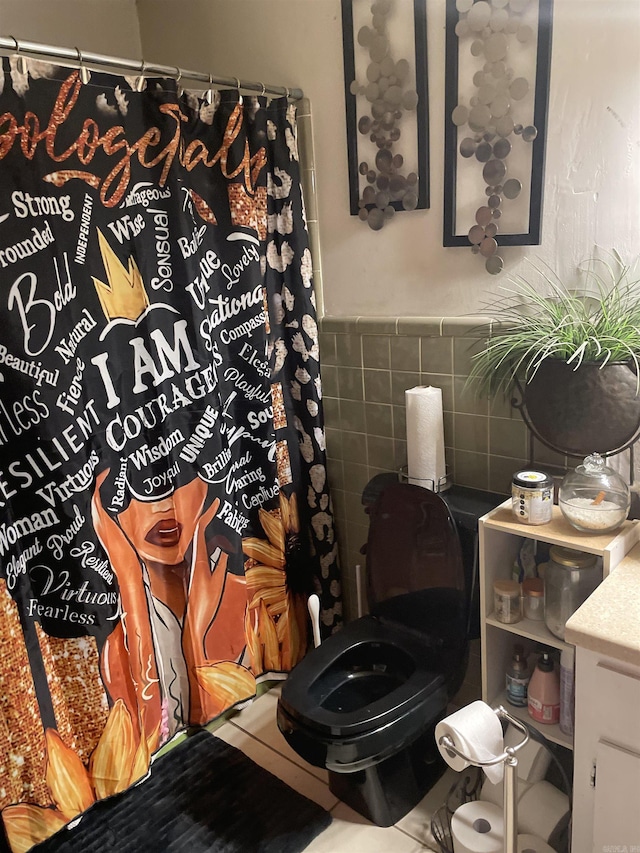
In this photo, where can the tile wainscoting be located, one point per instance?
(367, 365)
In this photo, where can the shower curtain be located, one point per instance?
(164, 508)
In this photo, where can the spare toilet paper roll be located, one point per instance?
(533, 759)
(494, 793)
(542, 809)
(533, 844)
(477, 827)
(476, 731)
(425, 436)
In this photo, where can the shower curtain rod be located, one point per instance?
(12, 45)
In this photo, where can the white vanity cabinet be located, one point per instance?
(606, 811)
(500, 538)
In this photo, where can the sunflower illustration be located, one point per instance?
(120, 758)
(275, 619)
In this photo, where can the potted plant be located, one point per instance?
(573, 356)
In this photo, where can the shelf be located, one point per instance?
(551, 732)
(532, 630)
(500, 537)
(558, 531)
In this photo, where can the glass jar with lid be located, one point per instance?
(532, 497)
(506, 601)
(569, 579)
(594, 497)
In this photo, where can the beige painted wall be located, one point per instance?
(592, 187)
(102, 26)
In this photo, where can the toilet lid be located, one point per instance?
(413, 547)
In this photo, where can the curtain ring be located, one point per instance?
(240, 98)
(208, 95)
(85, 74)
(179, 88)
(288, 93)
(264, 89)
(141, 80)
(21, 62)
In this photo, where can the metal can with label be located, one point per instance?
(532, 497)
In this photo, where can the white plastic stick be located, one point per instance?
(359, 590)
(314, 611)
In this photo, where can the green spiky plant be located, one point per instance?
(597, 324)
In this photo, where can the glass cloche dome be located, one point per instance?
(594, 497)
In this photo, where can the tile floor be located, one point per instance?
(254, 731)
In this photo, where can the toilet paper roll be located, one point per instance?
(494, 793)
(476, 731)
(533, 844)
(542, 810)
(533, 759)
(425, 436)
(477, 827)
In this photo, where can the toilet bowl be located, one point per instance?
(364, 704)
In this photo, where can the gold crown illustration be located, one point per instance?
(124, 295)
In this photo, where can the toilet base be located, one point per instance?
(386, 792)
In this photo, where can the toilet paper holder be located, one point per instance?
(510, 761)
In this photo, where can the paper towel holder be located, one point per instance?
(442, 485)
(508, 757)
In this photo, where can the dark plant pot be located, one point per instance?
(582, 411)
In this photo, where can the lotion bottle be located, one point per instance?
(517, 678)
(544, 692)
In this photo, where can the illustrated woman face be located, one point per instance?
(161, 531)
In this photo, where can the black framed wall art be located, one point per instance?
(387, 110)
(498, 57)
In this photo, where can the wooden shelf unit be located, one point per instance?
(500, 538)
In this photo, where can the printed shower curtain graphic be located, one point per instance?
(164, 509)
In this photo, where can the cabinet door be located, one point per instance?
(617, 700)
(616, 817)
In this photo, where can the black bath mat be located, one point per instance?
(203, 796)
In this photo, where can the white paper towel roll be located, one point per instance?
(425, 436)
(542, 809)
(477, 827)
(533, 844)
(476, 731)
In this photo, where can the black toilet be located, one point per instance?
(364, 704)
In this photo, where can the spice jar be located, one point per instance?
(570, 578)
(594, 497)
(506, 601)
(532, 497)
(533, 592)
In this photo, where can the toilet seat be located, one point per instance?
(302, 697)
(365, 703)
